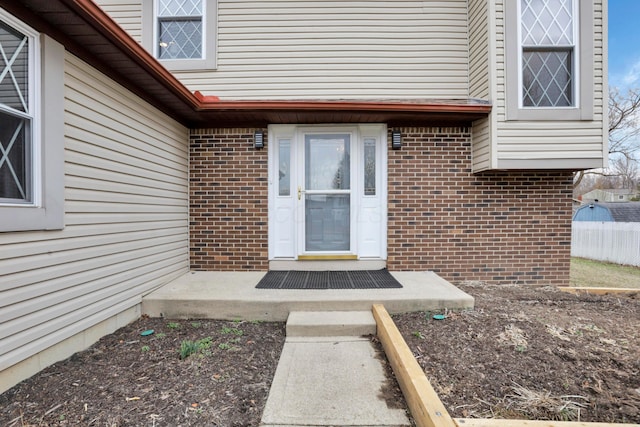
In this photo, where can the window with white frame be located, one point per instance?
(181, 33)
(548, 40)
(31, 134)
(17, 114)
(549, 59)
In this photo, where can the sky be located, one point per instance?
(624, 44)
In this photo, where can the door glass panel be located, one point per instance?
(328, 196)
(327, 222)
(369, 167)
(284, 167)
(327, 159)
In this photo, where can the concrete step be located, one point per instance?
(330, 323)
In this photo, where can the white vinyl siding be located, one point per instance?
(339, 49)
(481, 144)
(480, 74)
(127, 14)
(336, 49)
(538, 144)
(479, 49)
(126, 215)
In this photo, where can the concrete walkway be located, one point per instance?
(328, 374)
(330, 381)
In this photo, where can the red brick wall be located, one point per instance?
(228, 201)
(498, 227)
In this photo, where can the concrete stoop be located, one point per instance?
(330, 375)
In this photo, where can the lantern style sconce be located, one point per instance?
(396, 140)
(258, 139)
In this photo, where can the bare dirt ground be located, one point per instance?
(523, 353)
(533, 353)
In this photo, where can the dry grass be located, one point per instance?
(591, 273)
(543, 406)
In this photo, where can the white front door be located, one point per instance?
(327, 191)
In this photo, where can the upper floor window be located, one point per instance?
(549, 59)
(181, 33)
(548, 40)
(180, 29)
(17, 115)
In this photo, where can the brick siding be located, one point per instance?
(498, 227)
(228, 201)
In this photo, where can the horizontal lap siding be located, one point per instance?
(538, 141)
(338, 49)
(127, 13)
(479, 83)
(478, 49)
(126, 215)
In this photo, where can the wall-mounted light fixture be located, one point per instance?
(396, 139)
(258, 139)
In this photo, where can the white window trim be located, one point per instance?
(46, 210)
(209, 42)
(583, 68)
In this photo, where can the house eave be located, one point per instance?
(397, 112)
(89, 33)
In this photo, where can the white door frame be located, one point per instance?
(286, 213)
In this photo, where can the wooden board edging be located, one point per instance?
(425, 405)
(597, 291)
(486, 422)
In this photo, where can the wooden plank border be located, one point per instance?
(425, 405)
(484, 422)
(598, 291)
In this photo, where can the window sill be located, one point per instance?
(188, 64)
(549, 114)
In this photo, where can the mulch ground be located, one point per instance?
(533, 353)
(524, 352)
(127, 379)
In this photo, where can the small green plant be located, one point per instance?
(145, 348)
(205, 343)
(173, 325)
(235, 331)
(188, 348)
(161, 335)
(224, 346)
(418, 335)
(196, 324)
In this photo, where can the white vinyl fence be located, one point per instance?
(617, 242)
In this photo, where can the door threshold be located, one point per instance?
(327, 257)
(328, 265)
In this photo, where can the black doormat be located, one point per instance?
(365, 279)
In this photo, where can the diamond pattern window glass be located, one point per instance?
(15, 116)
(548, 52)
(180, 29)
